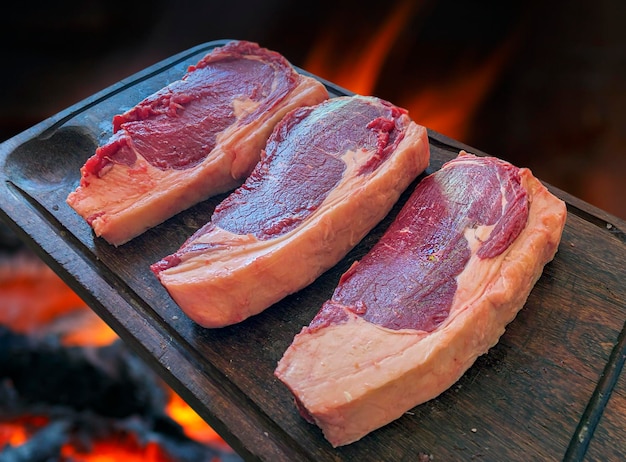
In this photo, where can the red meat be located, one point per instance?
(433, 294)
(201, 135)
(330, 173)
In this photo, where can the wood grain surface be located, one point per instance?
(551, 389)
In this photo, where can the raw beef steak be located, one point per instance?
(328, 175)
(435, 292)
(197, 137)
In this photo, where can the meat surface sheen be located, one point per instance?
(197, 137)
(435, 292)
(328, 175)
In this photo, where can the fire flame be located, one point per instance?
(359, 69)
(445, 106)
(35, 300)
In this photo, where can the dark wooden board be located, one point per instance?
(524, 400)
(609, 442)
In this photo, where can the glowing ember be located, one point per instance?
(121, 446)
(18, 431)
(194, 426)
(124, 447)
(35, 301)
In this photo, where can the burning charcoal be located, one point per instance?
(87, 394)
(88, 427)
(8, 395)
(98, 394)
(8, 239)
(82, 431)
(109, 380)
(44, 446)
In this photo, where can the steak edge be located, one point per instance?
(349, 375)
(329, 174)
(195, 138)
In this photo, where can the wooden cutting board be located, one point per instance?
(551, 389)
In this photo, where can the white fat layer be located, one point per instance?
(244, 106)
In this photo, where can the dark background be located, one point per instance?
(556, 104)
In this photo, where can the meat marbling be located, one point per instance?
(195, 138)
(328, 175)
(432, 295)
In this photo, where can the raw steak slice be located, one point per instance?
(432, 295)
(197, 137)
(328, 175)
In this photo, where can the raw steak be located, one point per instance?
(197, 137)
(435, 292)
(328, 175)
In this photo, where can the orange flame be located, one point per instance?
(446, 106)
(123, 446)
(17, 432)
(359, 70)
(193, 425)
(36, 300)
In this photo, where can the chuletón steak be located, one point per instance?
(195, 138)
(436, 291)
(328, 175)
